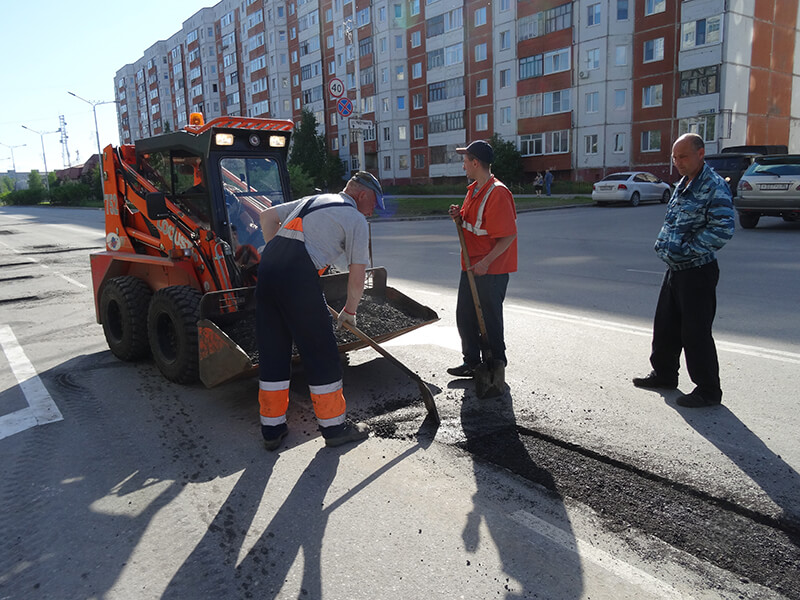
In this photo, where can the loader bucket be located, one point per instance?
(227, 330)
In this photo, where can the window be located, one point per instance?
(621, 56)
(505, 40)
(704, 126)
(556, 61)
(590, 143)
(398, 42)
(416, 39)
(505, 115)
(531, 144)
(530, 106)
(482, 87)
(413, 7)
(480, 16)
(530, 66)
(700, 33)
(505, 78)
(419, 131)
(622, 10)
(592, 102)
(481, 122)
(559, 142)
(555, 102)
(401, 103)
(387, 134)
(416, 101)
(593, 59)
(416, 70)
(435, 58)
(654, 50)
(593, 14)
(453, 55)
(654, 6)
(651, 141)
(362, 17)
(480, 52)
(419, 161)
(698, 82)
(402, 161)
(449, 121)
(402, 132)
(387, 163)
(620, 99)
(619, 142)
(398, 11)
(651, 95)
(400, 73)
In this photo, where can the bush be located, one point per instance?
(302, 183)
(25, 197)
(70, 194)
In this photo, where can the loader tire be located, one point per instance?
(123, 313)
(172, 330)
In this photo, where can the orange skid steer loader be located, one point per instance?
(177, 278)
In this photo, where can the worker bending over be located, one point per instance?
(304, 237)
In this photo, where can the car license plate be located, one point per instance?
(774, 186)
(605, 188)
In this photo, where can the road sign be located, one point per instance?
(336, 87)
(344, 107)
(361, 124)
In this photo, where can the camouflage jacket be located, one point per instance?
(699, 221)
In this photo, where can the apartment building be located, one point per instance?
(582, 88)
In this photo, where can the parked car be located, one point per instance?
(733, 161)
(770, 187)
(632, 187)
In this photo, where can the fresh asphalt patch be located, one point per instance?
(757, 547)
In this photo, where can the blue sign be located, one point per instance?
(344, 107)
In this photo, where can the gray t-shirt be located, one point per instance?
(331, 233)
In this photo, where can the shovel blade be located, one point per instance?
(490, 379)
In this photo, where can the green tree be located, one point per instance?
(332, 173)
(6, 184)
(507, 165)
(95, 185)
(301, 182)
(35, 181)
(308, 148)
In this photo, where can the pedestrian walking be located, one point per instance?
(489, 221)
(699, 221)
(537, 184)
(304, 237)
(548, 181)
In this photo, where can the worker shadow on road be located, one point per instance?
(545, 568)
(778, 480)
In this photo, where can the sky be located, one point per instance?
(49, 47)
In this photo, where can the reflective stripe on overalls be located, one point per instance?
(292, 310)
(476, 228)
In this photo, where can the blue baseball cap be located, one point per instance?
(368, 180)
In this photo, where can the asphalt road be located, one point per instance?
(117, 484)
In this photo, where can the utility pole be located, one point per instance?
(352, 31)
(13, 162)
(95, 104)
(64, 149)
(41, 134)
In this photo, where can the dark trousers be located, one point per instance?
(685, 312)
(491, 292)
(292, 308)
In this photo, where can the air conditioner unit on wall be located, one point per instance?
(583, 74)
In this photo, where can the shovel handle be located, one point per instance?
(472, 286)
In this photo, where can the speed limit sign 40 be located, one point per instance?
(336, 87)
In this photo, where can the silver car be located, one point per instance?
(770, 187)
(632, 187)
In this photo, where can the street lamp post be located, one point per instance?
(13, 162)
(95, 104)
(44, 156)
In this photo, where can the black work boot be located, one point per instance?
(273, 435)
(656, 382)
(344, 433)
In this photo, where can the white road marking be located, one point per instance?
(599, 557)
(71, 280)
(41, 408)
(757, 351)
(643, 271)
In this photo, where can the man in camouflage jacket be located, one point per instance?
(699, 222)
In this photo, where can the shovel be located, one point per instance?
(490, 375)
(427, 397)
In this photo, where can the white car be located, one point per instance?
(632, 187)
